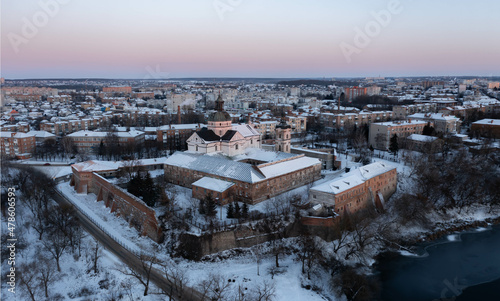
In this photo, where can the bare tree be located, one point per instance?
(46, 273)
(94, 255)
(309, 253)
(34, 200)
(357, 287)
(258, 257)
(205, 288)
(63, 219)
(143, 275)
(176, 276)
(57, 243)
(27, 275)
(69, 146)
(341, 234)
(219, 288)
(264, 291)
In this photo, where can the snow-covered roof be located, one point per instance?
(488, 121)
(216, 165)
(263, 155)
(213, 184)
(97, 165)
(16, 135)
(284, 167)
(129, 134)
(225, 167)
(41, 134)
(399, 123)
(245, 130)
(433, 116)
(354, 178)
(192, 126)
(421, 138)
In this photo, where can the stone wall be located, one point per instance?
(195, 247)
(122, 203)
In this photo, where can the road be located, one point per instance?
(126, 256)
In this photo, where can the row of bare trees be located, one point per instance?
(458, 180)
(58, 233)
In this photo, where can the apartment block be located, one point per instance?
(381, 133)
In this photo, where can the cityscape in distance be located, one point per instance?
(250, 150)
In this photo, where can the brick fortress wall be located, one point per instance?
(122, 203)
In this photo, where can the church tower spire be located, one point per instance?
(219, 103)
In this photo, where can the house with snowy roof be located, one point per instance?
(489, 128)
(443, 123)
(423, 143)
(359, 189)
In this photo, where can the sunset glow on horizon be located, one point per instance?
(222, 38)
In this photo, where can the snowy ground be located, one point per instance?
(75, 281)
(289, 285)
(243, 268)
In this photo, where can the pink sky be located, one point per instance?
(125, 39)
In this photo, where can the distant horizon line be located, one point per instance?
(325, 78)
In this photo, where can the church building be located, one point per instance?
(223, 136)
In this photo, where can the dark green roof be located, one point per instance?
(220, 116)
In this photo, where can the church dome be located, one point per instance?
(220, 116)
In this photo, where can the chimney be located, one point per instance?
(179, 114)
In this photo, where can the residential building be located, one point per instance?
(87, 141)
(424, 144)
(352, 92)
(401, 112)
(442, 123)
(489, 128)
(381, 133)
(175, 136)
(117, 89)
(19, 145)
